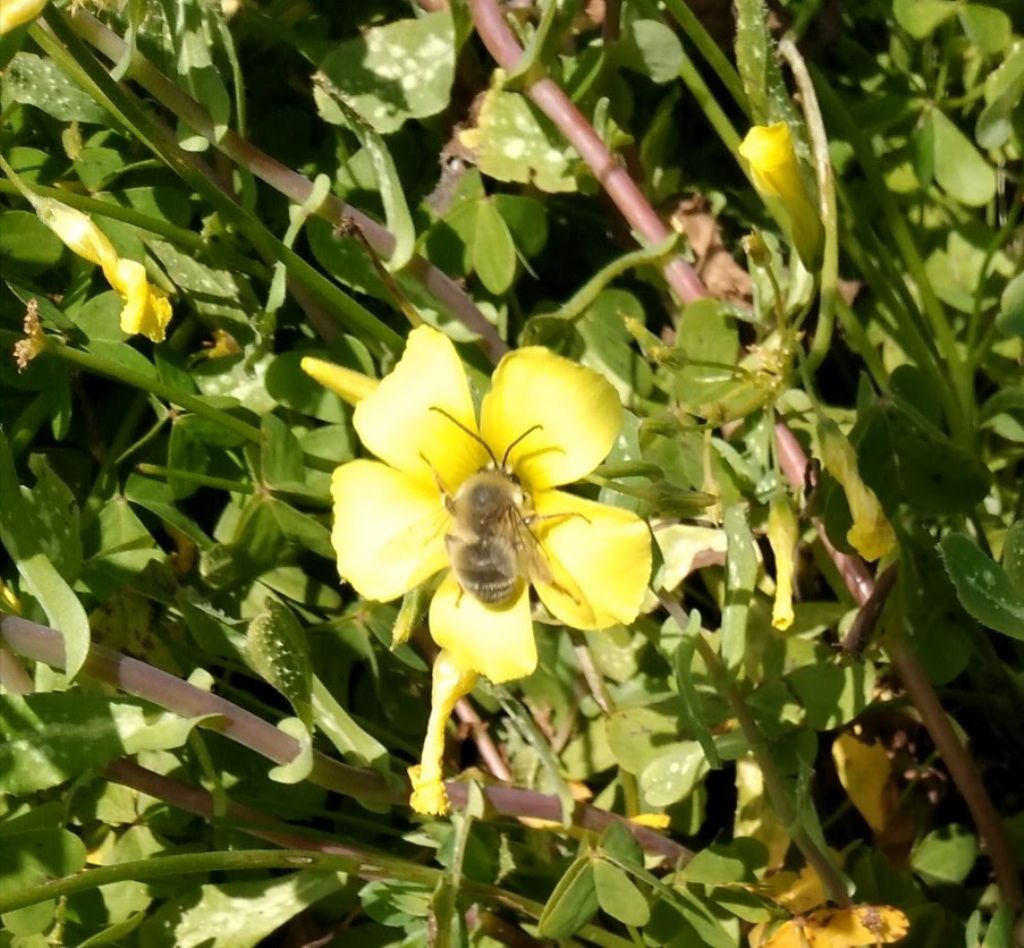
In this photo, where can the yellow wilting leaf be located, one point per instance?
(841, 928)
(865, 772)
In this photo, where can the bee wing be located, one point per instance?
(542, 566)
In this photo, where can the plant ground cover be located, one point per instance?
(733, 303)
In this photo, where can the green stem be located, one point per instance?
(710, 51)
(819, 860)
(1009, 228)
(713, 112)
(203, 480)
(826, 206)
(155, 386)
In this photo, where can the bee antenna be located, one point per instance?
(508, 450)
(472, 434)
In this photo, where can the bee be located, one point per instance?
(490, 544)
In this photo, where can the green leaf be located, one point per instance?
(740, 577)
(638, 735)
(672, 776)
(652, 49)
(987, 27)
(921, 17)
(51, 738)
(344, 733)
(1010, 320)
(53, 516)
(758, 65)
(984, 588)
(236, 914)
(832, 694)
(27, 246)
(281, 461)
(1013, 555)
(1004, 87)
(62, 607)
(33, 80)
(905, 459)
(396, 72)
(335, 107)
(726, 863)
(279, 651)
(493, 252)
(618, 896)
(945, 855)
(960, 169)
(708, 344)
(688, 699)
(301, 765)
(512, 141)
(572, 903)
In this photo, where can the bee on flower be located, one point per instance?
(478, 501)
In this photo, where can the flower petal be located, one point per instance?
(397, 423)
(388, 529)
(77, 231)
(496, 641)
(146, 308)
(449, 684)
(607, 552)
(347, 384)
(577, 410)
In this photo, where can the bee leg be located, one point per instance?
(448, 502)
(531, 519)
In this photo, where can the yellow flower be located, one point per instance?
(546, 422)
(871, 535)
(782, 536)
(16, 12)
(146, 308)
(774, 169)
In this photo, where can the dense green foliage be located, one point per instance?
(170, 501)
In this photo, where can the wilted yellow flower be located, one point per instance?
(146, 308)
(347, 384)
(775, 171)
(854, 927)
(871, 534)
(546, 422)
(782, 536)
(15, 12)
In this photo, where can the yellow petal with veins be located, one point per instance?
(496, 641)
(449, 684)
(606, 551)
(576, 412)
(398, 422)
(388, 529)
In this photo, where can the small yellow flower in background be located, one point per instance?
(783, 533)
(14, 13)
(774, 169)
(871, 534)
(445, 486)
(347, 384)
(146, 308)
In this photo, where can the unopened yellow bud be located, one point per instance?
(14, 13)
(871, 534)
(783, 533)
(347, 384)
(775, 171)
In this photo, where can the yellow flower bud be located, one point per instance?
(771, 160)
(351, 386)
(782, 536)
(146, 308)
(871, 534)
(14, 13)
(450, 683)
